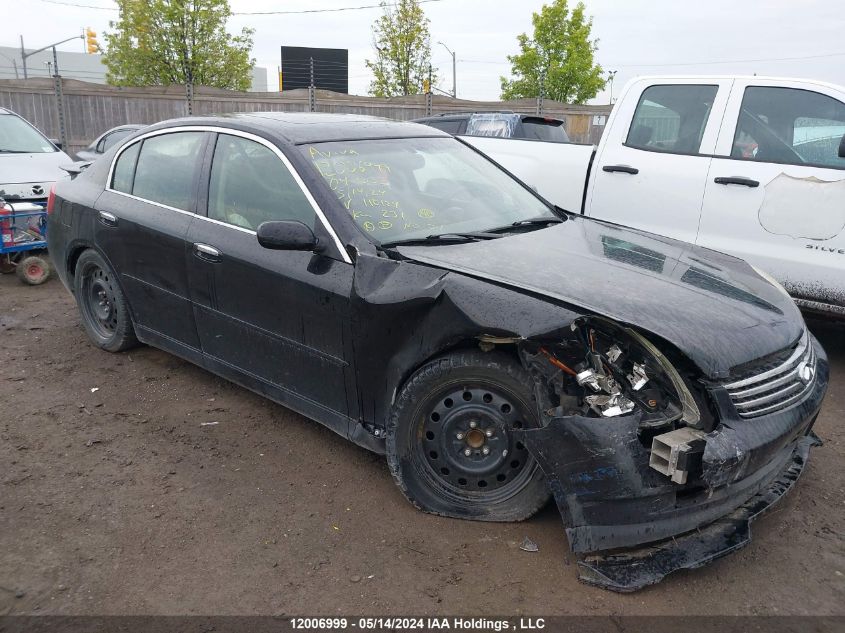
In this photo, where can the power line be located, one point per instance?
(82, 6)
(303, 11)
(366, 6)
(730, 61)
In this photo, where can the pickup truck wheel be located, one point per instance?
(104, 310)
(450, 443)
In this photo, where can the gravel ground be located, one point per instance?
(137, 483)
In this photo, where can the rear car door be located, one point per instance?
(279, 319)
(776, 190)
(143, 219)
(651, 174)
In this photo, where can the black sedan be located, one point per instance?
(395, 285)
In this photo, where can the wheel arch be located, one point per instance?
(75, 251)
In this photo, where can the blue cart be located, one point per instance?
(23, 241)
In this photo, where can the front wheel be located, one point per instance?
(104, 310)
(450, 439)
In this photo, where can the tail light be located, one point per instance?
(51, 199)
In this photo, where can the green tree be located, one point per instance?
(561, 50)
(402, 43)
(161, 42)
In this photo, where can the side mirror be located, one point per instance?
(56, 142)
(286, 235)
(842, 147)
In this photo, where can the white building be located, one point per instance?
(81, 66)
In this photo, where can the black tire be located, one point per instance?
(104, 310)
(34, 269)
(435, 453)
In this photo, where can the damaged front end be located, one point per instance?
(642, 451)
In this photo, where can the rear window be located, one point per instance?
(541, 129)
(451, 126)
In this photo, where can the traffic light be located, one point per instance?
(91, 43)
(426, 86)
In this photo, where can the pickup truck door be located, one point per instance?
(775, 193)
(651, 166)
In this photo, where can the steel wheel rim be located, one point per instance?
(457, 424)
(34, 271)
(98, 300)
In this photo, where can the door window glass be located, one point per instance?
(166, 168)
(250, 185)
(788, 125)
(124, 169)
(671, 118)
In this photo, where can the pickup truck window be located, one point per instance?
(791, 126)
(671, 118)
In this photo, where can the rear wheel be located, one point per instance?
(34, 269)
(104, 310)
(450, 439)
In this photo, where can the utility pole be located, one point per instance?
(610, 75)
(428, 94)
(14, 64)
(312, 90)
(60, 103)
(542, 94)
(454, 66)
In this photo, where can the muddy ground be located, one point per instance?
(138, 483)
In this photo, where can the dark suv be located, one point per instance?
(500, 124)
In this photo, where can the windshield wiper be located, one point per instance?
(542, 220)
(442, 238)
(13, 151)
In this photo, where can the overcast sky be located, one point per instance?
(636, 37)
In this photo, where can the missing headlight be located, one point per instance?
(609, 370)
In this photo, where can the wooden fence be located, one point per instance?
(90, 109)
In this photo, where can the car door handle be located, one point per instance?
(736, 180)
(206, 252)
(109, 219)
(622, 169)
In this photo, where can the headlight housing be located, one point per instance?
(609, 370)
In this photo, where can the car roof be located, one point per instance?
(297, 128)
(445, 116)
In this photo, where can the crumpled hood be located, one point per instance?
(712, 306)
(19, 172)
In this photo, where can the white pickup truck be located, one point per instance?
(750, 166)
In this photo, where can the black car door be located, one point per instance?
(275, 320)
(142, 223)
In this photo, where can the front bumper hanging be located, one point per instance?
(634, 569)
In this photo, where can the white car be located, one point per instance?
(750, 166)
(29, 162)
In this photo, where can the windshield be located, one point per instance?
(409, 188)
(19, 137)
